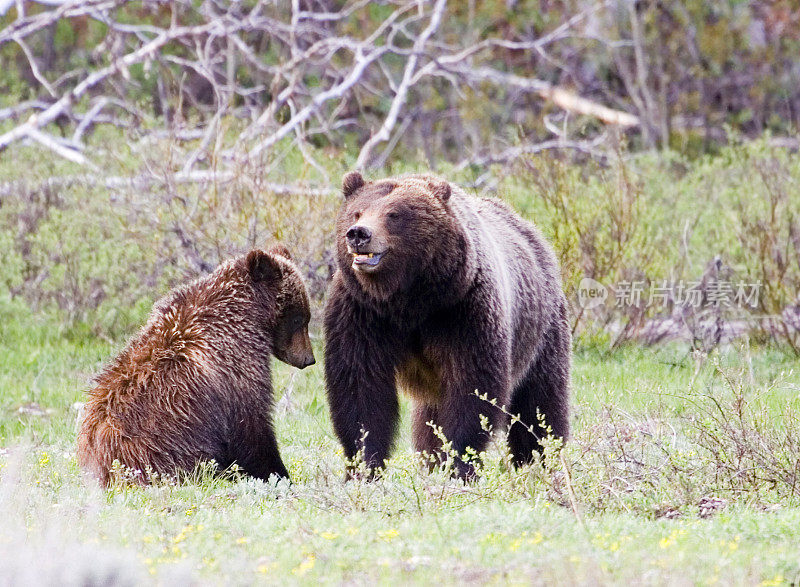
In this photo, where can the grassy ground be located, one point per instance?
(573, 523)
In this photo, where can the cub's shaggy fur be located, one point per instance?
(443, 294)
(195, 383)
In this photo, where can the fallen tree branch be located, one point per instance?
(141, 182)
(324, 80)
(337, 91)
(64, 151)
(513, 153)
(384, 133)
(563, 98)
(34, 66)
(23, 27)
(576, 104)
(61, 106)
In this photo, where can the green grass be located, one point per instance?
(411, 526)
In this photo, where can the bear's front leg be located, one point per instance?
(476, 364)
(360, 380)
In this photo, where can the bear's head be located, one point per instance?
(392, 232)
(275, 277)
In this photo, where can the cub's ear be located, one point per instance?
(351, 182)
(262, 266)
(441, 189)
(281, 251)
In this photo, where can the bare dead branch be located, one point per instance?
(561, 97)
(34, 67)
(141, 182)
(348, 71)
(90, 117)
(400, 95)
(361, 63)
(62, 150)
(26, 26)
(512, 153)
(38, 121)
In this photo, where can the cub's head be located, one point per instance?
(274, 274)
(392, 231)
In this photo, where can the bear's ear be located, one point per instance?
(281, 251)
(441, 189)
(351, 182)
(262, 266)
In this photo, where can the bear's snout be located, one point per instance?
(305, 354)
(358, 236)
(298, 353)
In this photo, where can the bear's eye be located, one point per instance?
(357, 214)
(393, 215)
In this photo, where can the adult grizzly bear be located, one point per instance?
(195, 383)
(443, 294)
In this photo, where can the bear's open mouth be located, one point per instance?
(367, 260)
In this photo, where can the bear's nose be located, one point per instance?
(358, 235)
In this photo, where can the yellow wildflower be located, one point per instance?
(388, 535)
(329, 535)
(305, 566)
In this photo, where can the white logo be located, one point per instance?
(591, 293)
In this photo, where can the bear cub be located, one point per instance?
(195, 383)
(442, 294)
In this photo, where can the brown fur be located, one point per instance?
(442, 294)
(195, 383)
(421, 379)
